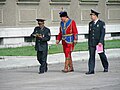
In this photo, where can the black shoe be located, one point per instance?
(46, 69)
(87, 73)
(40, 72)
(105, 70)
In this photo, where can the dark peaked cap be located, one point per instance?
(95, 12)
(63, 14)
(41, 20)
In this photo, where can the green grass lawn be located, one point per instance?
(29, 50)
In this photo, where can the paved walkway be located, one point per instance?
(27, 78)
(26, 61)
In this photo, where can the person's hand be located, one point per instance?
(39, 36)
(57, 42)
(75, 42)
(100, 44)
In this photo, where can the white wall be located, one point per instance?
(16, 35)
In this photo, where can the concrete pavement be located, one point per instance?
(27, 78)
(26, 61)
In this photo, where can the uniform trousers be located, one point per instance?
(42, 59)
(91, 63)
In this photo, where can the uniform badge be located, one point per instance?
(97, 25)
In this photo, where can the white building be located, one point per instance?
(18, 17)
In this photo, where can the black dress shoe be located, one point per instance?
(46, 69)
(105, 70)
(40, 72)
(87, 73)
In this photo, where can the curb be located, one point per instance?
(27, 61)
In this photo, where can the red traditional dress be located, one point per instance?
(68, 34)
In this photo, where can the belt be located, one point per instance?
(67, 35)
(68, 38)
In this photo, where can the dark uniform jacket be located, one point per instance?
(41, 43)
(96, 33)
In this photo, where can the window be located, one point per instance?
(2, 0)
(110, 2)
(28, 0)
(113, 0)
(36, 2)
(89, 0)
(60, 0)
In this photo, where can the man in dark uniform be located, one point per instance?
(96, 37)
(42, 35)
